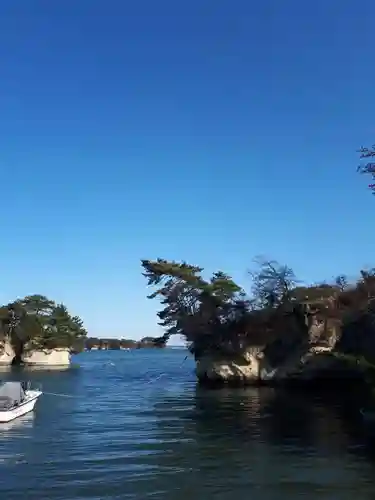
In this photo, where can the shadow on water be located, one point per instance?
(271, 443)
(292, 419)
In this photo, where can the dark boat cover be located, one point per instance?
(11, 394)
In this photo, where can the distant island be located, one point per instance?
(104, 344)
(36, 330)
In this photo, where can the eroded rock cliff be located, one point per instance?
(235, 369)
(298, 356)
(7, 353)
(51, 357)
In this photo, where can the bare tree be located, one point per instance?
(369, 166)
(272, 283)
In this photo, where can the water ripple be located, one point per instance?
(129, 433)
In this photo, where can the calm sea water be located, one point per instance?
(121, 437)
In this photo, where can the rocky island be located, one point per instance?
(278, 333)
(37, 331)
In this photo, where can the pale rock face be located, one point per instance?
(6, 354)
(301, 365)
(303, 361)
(55, 357)
(244, 370)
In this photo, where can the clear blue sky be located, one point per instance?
(211, 131)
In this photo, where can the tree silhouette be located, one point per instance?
(368, 167)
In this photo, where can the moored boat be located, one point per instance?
(16, 399)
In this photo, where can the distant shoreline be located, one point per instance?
(181, 347)
(105, 344)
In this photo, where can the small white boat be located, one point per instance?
(16, 399)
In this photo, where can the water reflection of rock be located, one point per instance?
(236, 441)
(284, 419)
(212, 429)
(288, 420)
(301, 421)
